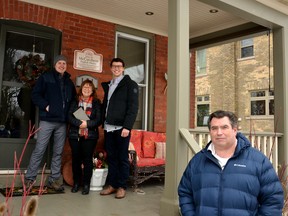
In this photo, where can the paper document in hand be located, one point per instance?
(80, 114)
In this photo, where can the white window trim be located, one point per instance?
(241, 47)
(145, 86)
(197, 66)
(201, 103)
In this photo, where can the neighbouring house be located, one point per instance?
(237, 76)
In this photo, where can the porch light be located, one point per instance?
(213, 11)
(149, 13)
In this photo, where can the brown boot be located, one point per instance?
(109, 190)
(120, 193)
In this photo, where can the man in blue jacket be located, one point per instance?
(52, 93)
(120, 107)
(229, 177)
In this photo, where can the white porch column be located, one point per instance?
(177, 102)
(280, 61)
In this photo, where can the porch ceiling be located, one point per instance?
(131, 13)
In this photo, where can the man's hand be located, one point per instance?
(125, 132)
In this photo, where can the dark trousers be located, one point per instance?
(117, 158)
(82, 153)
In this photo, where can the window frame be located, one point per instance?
(202, 102)
(201, 62)
(243, 47)
(145, 85)
(267, 98)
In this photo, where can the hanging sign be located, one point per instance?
(88, 60)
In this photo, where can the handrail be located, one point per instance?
(191, 142)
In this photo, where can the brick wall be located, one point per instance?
(79, 32)
(192, 88)
(160, 96)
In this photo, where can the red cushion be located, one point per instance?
(136, 139)
(148, 143)
(150, 162)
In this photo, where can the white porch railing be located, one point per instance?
(266, 142)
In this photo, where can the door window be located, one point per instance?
(26, 51)
(26, 57)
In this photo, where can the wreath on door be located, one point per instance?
(29, 68)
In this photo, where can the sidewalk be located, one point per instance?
(145, 202)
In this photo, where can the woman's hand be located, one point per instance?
(83, 125)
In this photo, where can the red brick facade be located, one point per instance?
(79, 32)
(192, 89)
(160, 97)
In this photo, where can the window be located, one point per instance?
(137, 67)
(34, 49)
(262, 103)
(201, 62)
(203, 110)
(247, 48)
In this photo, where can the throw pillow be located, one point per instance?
(160, 150)
(148, 145)
(149, 139)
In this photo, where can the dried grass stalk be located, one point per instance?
(3, 208)
(31, 206)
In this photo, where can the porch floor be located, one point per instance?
(70, 204)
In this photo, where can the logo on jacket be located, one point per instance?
(240, 165)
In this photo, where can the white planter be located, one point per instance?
(98, 179)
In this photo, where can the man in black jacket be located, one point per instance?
(120, 107)
(52, 93)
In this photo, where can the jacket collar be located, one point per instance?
(242, 143)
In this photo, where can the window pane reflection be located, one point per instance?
(16, 111)
(202, 114)
(26, 58)
(258, 107)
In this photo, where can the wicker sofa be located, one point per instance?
(147, 156)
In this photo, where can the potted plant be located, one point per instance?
(100, 171)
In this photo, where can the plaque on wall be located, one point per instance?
(88, 60)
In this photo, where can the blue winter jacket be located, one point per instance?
(47, 91)
(247, 186)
